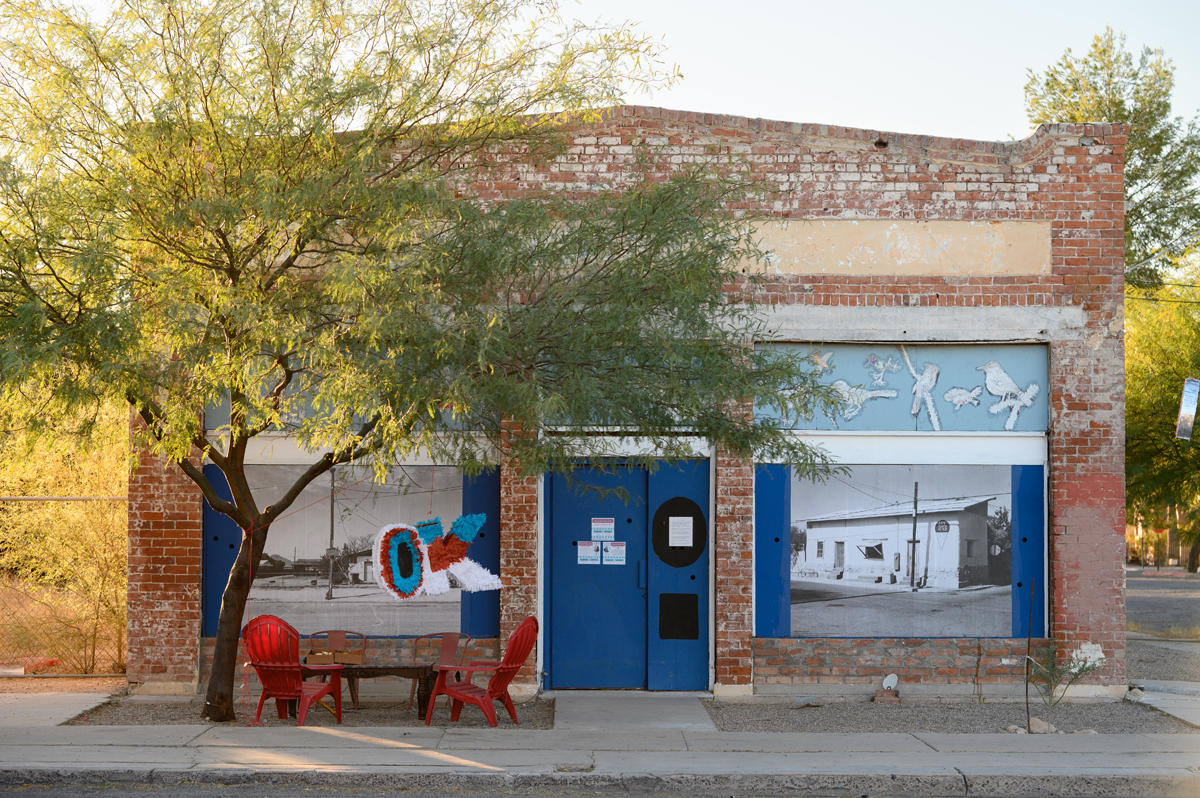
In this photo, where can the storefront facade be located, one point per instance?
(965, 300)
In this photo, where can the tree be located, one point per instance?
(1162, 155)
(1162, 333)
(267, 204)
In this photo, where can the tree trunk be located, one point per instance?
(218, 702)
(1194, 557)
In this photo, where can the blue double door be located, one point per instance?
(635, 613)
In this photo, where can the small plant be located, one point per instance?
(1052, 676)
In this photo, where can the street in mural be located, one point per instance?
(319, 569)
(1011, 374)
(871, 557)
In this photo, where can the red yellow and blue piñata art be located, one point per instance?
(418, 561)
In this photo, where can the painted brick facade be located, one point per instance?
(1066, 176)
(165, 527)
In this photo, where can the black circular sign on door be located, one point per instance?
(660, 529)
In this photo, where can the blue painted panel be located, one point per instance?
(596, 624)
(1028, 550)
(972, 387)
(222, 539)
(480, 612)
(678, 662)
(772, 551)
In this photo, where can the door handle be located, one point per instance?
(641, 574)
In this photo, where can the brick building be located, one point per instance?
(964, 297)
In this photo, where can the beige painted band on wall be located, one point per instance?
(905, 247)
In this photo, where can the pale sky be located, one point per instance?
(933, 67)
(937, 67)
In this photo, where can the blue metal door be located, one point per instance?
(678, 577)
(637, 619)
(597, 611)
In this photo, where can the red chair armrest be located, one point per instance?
(472, 668)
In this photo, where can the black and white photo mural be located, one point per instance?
(936, 528)
(918, 551)
(318, 570)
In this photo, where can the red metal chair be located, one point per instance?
(449, 653)
(460, 692)
(273, 646)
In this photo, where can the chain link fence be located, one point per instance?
(62, 585)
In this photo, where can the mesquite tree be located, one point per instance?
(259, 203)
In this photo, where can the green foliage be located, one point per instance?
(1162, 349)
(63, 564)
(1162, 156)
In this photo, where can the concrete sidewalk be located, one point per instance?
(634, 742)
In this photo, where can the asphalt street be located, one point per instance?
(1158, 602)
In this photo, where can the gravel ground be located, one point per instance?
(1147, 659)
(1121, 717)
(122, 711)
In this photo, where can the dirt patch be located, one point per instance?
(63, 684)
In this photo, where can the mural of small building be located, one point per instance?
(945, 549)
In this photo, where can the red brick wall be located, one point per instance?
(820, 661)
(733, 545)
(518, 557)
(165, 529)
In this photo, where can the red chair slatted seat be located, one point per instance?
(465, 691)
(273, 647)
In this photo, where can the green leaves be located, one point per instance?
(1162, 156)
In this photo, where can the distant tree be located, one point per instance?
(799, 542)
(266, 206)
(1162, 155)
(1162, 349)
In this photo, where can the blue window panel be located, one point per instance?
(772, 551)
(960, 387)
(1028, 550)
(480, 611)
(222, 539)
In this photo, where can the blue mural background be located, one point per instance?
(951, 387)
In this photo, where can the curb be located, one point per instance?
(1064, 785)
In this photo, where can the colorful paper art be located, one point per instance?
(418, 560)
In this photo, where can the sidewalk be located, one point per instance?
(634, 742)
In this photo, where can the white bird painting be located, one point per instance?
(1011, 396)
(854, 398)
(880, 368)
(961, 396)
(922, 387)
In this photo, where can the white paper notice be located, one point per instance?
(604, 528)
(614, 553)
(589, 552)
(679, 531)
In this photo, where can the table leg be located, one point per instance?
(353, 680)
(424, 688)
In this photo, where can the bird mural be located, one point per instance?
(961, 396)
(823, 362)
(854, 398)
(1011, 396)
(418, 560)
(922, 386)
(879, 369)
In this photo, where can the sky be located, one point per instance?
(930, 67)
(936, 67)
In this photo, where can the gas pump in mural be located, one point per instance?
(418, 560)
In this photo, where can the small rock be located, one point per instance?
(1135, 692)
(1015, 729)
(1039, 726)
(1021, 730)
(1085, 731)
